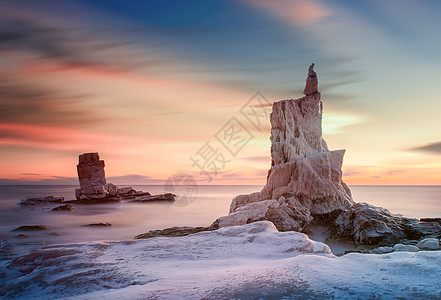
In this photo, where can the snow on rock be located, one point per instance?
(156, 264)
(305, 178)
(250, 261)
(429, 244)
(405, 248)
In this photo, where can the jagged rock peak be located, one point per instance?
(305, 178)
(311, 86)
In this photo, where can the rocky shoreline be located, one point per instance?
(261, 242)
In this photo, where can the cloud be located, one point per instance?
(135, 179)
(67, 46)
(433, 148)
(56, 180)
(259, 159)
(23, 102)
(64, 139)
(298, 12)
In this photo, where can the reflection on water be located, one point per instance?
(130, 219)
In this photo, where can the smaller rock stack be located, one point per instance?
(95, 189)
(92, 179)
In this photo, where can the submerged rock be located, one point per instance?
(66, 207)
(99, 224)
(32, 228)
(161, 197)
(41, 201)
(22, 236)
(305, 178)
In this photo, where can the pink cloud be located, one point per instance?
(63, 139)
(298, 12)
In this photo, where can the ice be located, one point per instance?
(243, 262)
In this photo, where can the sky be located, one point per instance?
(154, 86)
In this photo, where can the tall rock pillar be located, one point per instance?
(305, 178)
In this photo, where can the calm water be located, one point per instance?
(130, 219)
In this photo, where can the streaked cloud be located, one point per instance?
(432, 148)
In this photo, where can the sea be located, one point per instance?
(129, 219)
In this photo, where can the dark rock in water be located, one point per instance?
(431, 220)
(129, 192)
(99, 224)
(95, 201)
(370, 225)
(366, 224)
(424, 229)
(160, 197)
(32, 228)
(55, 233)
(66, 207)
(176, 231)
(22, 236)
(41, 201)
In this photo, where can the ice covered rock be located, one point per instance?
(253, 261)
(79, 269)
(305, 178)
(382, 250)
(429, 244)
(405, 248)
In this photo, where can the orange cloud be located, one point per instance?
(298, 12)
(57, 138)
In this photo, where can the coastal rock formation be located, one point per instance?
(370, 225)
(367, 224)
(305, 178)
(95, 189)
(151, 198)
(92, 177)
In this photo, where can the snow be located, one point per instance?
(250, 261)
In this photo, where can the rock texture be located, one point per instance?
(367, 224)
(95, 189)
(92, 177)
(305, 178)
(41, 201)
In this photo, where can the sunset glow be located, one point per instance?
(147, 87)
